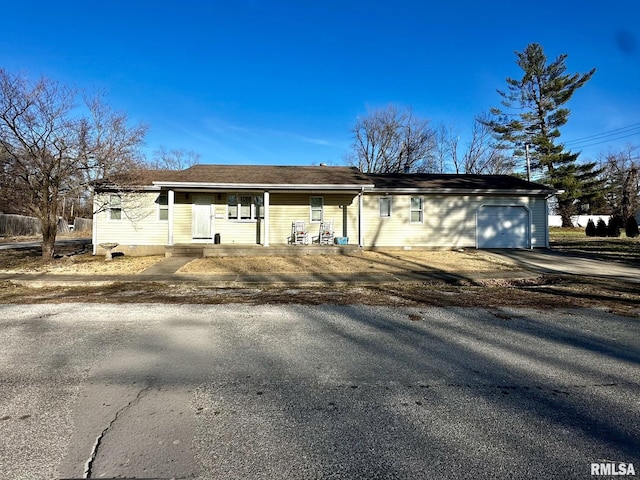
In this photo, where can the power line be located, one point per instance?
(605, 141)
(604, 137)
(608, 132)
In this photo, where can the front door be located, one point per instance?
(201, 218)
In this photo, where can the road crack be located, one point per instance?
(94, 451)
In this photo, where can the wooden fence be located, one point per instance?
(20, 225)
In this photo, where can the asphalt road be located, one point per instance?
(69, 242)
(297, 392)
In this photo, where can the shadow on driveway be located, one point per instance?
(550, 261)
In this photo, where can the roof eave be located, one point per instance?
(262, 186)
(450, 191)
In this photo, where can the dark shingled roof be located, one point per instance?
(295, 176)
(429, 181)
(266, 175)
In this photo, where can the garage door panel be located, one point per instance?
(501, 226)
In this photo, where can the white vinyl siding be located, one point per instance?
(138, 225)
(449, 221)
(285, 208)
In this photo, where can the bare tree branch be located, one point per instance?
(50, 153)
(392, 141)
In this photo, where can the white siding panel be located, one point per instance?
(139, 224)
(287, 208)
(449, 220)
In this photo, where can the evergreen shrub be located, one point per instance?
(632, 228)
(601, 228)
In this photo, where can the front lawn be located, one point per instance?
(612, 249)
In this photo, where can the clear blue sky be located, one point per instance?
(282, 82)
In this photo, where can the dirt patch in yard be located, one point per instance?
(467, 261)
(448, 261)
(29, 261)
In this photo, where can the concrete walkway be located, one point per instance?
(167, 266)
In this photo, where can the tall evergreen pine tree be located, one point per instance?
(537, 100)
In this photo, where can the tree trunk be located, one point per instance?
(629, 195)
(49, 231)
(49, 219)
(566, 209)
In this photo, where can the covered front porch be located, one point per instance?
(215, 219)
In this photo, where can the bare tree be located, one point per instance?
(445, 153)
(52, 152)
(483, 155)
(176, 159)
(392, 141)
(619, 173)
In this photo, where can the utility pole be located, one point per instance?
(526, 154)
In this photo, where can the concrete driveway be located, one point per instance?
(550, 261)
(296, 392)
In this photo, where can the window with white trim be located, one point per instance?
(115, 207)
(316, 206)
(163, 206)
(417, 211)
(385, 207)
(244, 207)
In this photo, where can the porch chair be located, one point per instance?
(299, 234)
(325, 237)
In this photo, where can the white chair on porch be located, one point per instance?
(299, 234)
(325, 237)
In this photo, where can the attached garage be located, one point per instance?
(503, 226)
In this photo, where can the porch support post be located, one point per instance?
(266, 219)
(170, 201)
(360, 220)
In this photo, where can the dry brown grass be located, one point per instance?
(29, 261)
(468, 261)
(370, 262)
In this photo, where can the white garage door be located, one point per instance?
(501, 226)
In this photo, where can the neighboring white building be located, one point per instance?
(577, 220)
